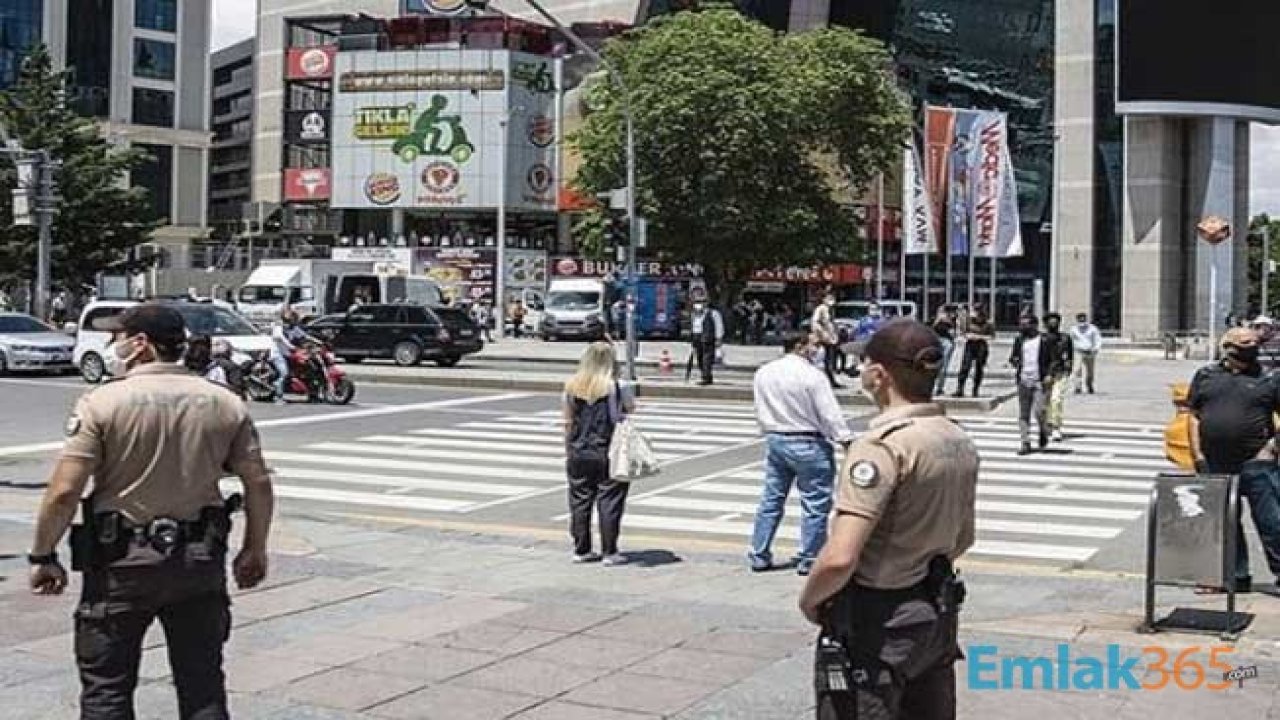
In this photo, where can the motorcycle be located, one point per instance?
(313, 372)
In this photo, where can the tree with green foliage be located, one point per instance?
(745, 140)
(99, 217)
(1260, 225)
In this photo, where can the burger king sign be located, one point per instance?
(311, 63)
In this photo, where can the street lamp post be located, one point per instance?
(632, 220)
(40, 189)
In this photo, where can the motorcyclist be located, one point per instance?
(288, 338)
(232, 373)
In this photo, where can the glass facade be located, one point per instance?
(153, 59)
(156, 177)
(1108, 174)
(153, 107)
(21, 25)
(156, 15)
(89, 24)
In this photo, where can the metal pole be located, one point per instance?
(991, 303)
(1213, 302)
(973, 266)
(44, 218)
(1266, 270)
(632, 220)
(500, 271)
(880, 237)
(924, 289)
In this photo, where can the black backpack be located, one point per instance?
(593, 426)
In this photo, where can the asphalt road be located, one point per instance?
(492, 462)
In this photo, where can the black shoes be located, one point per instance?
(1025, 449)
(1044, 439)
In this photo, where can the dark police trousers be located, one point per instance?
(187, 592)
(975, 360)
(901, 652)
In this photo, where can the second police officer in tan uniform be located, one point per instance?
(883, 588)
(154, 538)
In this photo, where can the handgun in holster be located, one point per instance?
(84, 538)
(833, 678)
(944, 585)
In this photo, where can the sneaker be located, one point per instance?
(1057, 436)
(1025, 449)
(590, 557)
(615, 560)
(759, 564)
(804, 567)
(1044, 439)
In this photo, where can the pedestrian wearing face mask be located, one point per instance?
(707, 328)
(1087, 340)
(801, 421)
(827, 335)
(1060, 361)
(1032, 361)
(1233, 404)
(154, 529)
(978, 334)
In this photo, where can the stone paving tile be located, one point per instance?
(699, 666)
(21, 667)
(587, 651)
(454, 702)
(782, 691)
(555, 710)
(429, 663)
(298, 596)
(347, 689)
(497, 638)
(255, 672)
(436, 619)
(641, 693)
(652, 629)
(53, 647)
(530, 677)
(767, 645)
(333, 649)
(560, 618)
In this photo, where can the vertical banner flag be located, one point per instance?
(960, 192)
(917, 213)
(995, 222)
(939, 135)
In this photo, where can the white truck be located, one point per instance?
(300, 284)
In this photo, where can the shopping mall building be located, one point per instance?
(340, 144)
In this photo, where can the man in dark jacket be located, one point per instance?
(1032, 361)
(1061, 358)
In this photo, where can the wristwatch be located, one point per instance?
(50, 559)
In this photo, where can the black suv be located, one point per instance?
(407, 334)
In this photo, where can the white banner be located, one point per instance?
(918, 235)
(995, 226)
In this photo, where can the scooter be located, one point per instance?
(313, 372)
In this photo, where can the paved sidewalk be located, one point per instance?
(408, 622)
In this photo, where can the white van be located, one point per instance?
(344, 291)
(214, 319)
(574, 309)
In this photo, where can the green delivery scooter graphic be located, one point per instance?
(435, 134)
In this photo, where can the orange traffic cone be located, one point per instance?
(664, 363)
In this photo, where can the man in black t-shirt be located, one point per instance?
(1233, 404)
(978, 334)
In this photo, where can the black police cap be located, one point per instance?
(160, 323)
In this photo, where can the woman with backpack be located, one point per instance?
(594, 402)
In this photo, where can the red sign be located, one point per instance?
(310, 185)
(313, 63)
(571, 267)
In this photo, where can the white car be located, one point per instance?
(28, 344)
(214, 319)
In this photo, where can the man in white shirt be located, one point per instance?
(1088, 343)
(1031, 361)
(707, 329)
(801, 419)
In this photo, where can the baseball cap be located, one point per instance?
(1239, 337)
(1262, 320)
(161, 324)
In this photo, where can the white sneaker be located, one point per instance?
(615, 560)
(587, 558)
(1057, 436)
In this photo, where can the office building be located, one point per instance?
(231, 158)
(141, 67)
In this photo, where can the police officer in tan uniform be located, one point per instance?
(883, 588)
(155, 528)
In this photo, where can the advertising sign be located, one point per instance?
(433, 7)
(526, 269)
(463, 273)
(309, 185)
(569, 267)
(314, 63)
(438, 128)
(303, 127)
(387, 256)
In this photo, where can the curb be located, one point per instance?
(644, 389)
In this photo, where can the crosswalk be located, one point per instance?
(481, 463)
(1059, 507)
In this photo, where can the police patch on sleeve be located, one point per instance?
(864, 473)
(72, 426)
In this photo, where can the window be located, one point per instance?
(20, 28)
(156, 15)
(153, 59)
(152, 107)
(99, 314)
(156, 177)
(416, 316)
(386, 314)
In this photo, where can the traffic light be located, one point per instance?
(615, 230)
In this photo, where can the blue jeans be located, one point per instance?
(1260, 485)
(281, 365)
(948, 349)
(809, 462)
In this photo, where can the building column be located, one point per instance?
(1071, 281)
(1154, 250)
(1218, 184)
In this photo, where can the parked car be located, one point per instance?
(215, 319)
(407, 334)
(28, 344)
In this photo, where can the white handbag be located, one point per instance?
(631, 455)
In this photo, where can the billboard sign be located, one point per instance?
(313, 63)
(304, 127)
(307, 185)
(437, 128)
(433, 7)
(1188, 57)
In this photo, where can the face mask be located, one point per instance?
(1247, 354)
(699, 308)
(120, 359)
(1053, 327)
(869, 386)
(1027, 332)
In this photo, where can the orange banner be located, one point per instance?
(939, 136)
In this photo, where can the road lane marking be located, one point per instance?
(485, 471)
(400, 481)
(30, 449)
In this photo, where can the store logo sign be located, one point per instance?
(314, 127)
(540, 178)
(536, 76)
(441, 177)
(382, 188)
(542, 131)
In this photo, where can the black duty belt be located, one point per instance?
(815, 435)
